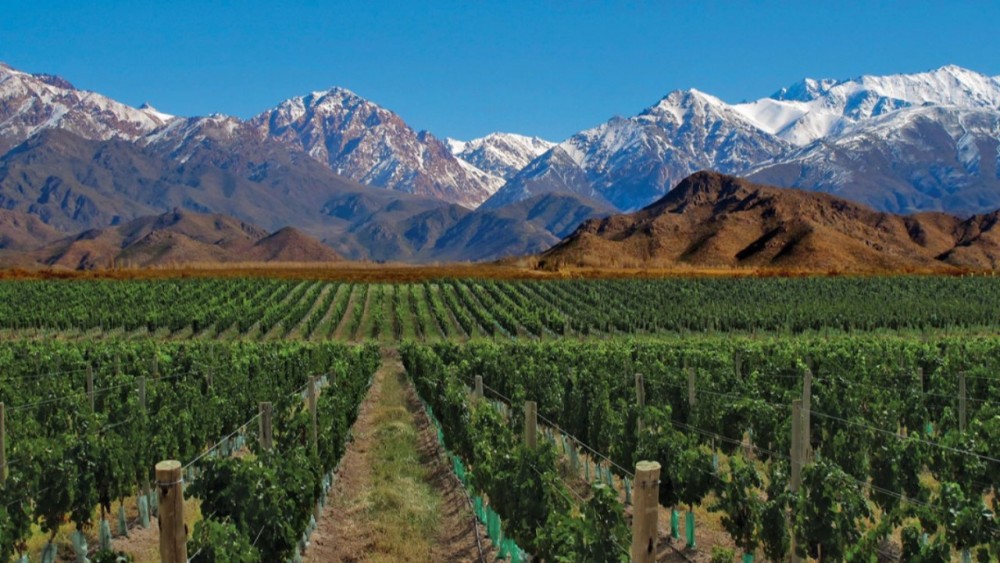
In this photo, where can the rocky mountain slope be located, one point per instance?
(180, 237)
(350, 135)
(924, 158)
(70, 184)
(354, 175)
(629, 162)
(712, 220)
(30, 103)
(22, 231)
(372, 145)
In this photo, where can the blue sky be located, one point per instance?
(463, 69)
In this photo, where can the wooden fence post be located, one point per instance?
(530, 424)
(640, 400)
(962, 412)
(90, 387)
(142, 405)
(805, 454)
(692, 397)
(266, 434)
(796, 476)
(313, 430)
(645, 511)
(173, 531)
(478, 393)
(3, 443)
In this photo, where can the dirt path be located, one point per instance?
(395, 498)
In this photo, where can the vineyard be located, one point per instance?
(455, 309)
(86, 423)
(898, 448)
(824, 418)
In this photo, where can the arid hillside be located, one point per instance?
(713, 220)
(177, 238)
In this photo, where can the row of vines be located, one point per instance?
(280, 309)
(891, 470)
(75, 449)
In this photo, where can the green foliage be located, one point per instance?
(598, 533)
(722, 554)
(828, 512)
(968, 522)
(774, 536)
(742, 507)
(914, 550)
(216, 542)
(67, 460)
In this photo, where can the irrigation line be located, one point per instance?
(897, 436)
(557, 427)
(261, 531)
(472, 509)
(219, 442)
(38, 376)
(581, 499)
(51, 400)
(721, 438)
(899, 389)
(717, 394)
(55, 399)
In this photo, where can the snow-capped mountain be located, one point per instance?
(812, 109)
(372, 145)
(30, 103)
(500, 154)
(906, 142)
(922, 158)
(630, 162)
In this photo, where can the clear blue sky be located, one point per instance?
(463, 69)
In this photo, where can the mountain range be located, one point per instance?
(715, 221)
(355, 176)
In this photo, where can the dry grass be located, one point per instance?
(403, 508)
(521, 269)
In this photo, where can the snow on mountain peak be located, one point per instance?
(811, 109)
(500, 154)
(30, 103)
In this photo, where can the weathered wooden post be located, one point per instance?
(266, 433)
(90, 387)
(144, 494)
(692, 397)
(142, 392)
(640, 400)
(313, 428)
(806, 452)
(173, 531)
(530, 424)
(796, 455)
(478, 393)
(3, 443)
(962, 412)
(645, 511)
